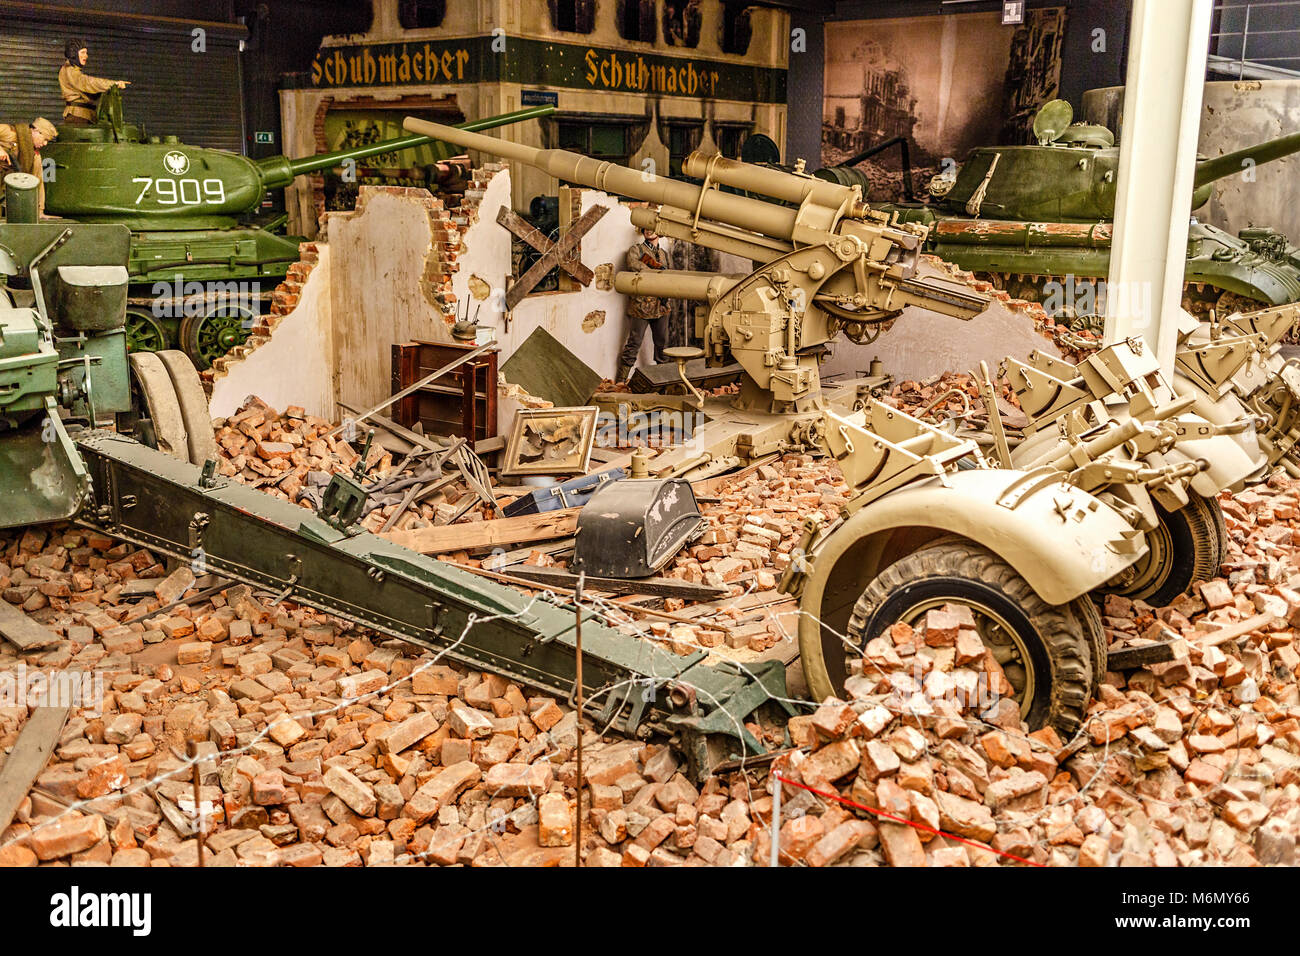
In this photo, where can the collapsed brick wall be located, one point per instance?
(284, 299)
(447, 228)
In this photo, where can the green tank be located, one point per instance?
(201, 264)
(1036, 221)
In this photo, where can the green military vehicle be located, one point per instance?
(1036, 222)
(202, 266)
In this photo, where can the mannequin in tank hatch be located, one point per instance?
(81, 91)
(20, 149)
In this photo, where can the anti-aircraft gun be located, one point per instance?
(929, 521)
(826, 260)
(191, 212)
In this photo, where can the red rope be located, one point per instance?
(910, 823)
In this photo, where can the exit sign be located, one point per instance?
(262, 136)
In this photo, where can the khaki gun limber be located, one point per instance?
(828, 261)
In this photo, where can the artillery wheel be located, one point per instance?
(193, 401)
(1044, 649)
(144, 333)
(1183, 548)
(205, 338)
(157, 420)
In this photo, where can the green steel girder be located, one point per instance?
(151, 499)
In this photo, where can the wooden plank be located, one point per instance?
(660, 587)
(1233, 631)
(36, 743)
(498, 532)
(20, 629)
(511, 220)
(494, 562)
(1131, 658)
(558, 253)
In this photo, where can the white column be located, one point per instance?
(1169, 41)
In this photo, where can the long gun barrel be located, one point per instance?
(1208, 170)
(738, 211)
(279, 171)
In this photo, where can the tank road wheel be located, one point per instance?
(206, 338)
(193, 401)
(1184, 548)
(144, 333)
(1044, 650)
(157, 420)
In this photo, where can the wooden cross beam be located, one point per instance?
(562, 253)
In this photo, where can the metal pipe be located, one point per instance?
(674, 284)
(753, 214)
(788, 187)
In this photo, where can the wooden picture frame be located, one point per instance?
(550, 441)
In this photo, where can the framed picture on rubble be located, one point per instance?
(550, 441)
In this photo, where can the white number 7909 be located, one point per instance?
(192, 192)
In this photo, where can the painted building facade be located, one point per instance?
(633, 81)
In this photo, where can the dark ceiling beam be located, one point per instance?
(813, 7)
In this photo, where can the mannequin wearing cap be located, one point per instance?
(644, 311)
(21, 148)
(81, 91)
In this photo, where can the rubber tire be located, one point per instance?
(1085, 608)
(1057, 642)
(201, 443)
(1194, 556)
(1212, 514)
(161, 403)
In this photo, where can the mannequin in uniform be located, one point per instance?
(81, 91)
(20, 147)
(644, 311)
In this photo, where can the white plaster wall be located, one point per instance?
(922, 343)
(486, 254)
(296, 367)
(376, 296)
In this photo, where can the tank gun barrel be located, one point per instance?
(279, 171)
(752, 214)
(1208, 170)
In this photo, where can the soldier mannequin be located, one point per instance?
(644, 310)
(80, 91)
(20, 149)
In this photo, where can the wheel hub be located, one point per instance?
(998, 636)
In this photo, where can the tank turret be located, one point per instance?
(1036, 220)
(112, 172)
(191, 214)
(1070, 175)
